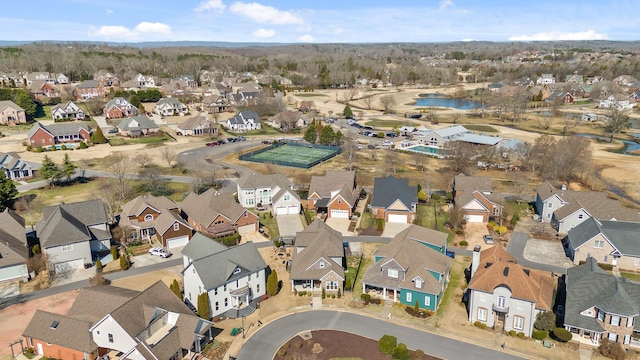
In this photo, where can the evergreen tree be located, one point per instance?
(98, 266)
(311, 134)
(175, 287)
(272, 283)
(204, 309)
(327, 136)
(124, 263)
(347, 111)
(98, 137)
(24, 100)
(49, 170)
(8, 191)
(68, 168)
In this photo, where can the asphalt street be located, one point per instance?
(264, 343)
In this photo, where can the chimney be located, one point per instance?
(475, 260)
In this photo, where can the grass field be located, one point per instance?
(292, 155)
(389, 123)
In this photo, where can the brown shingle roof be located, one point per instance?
(61, 330)
(498, 268)
(136, 206)
(470, 183)
(93, 303)
(204, 208)
(332, 181)
(318, 241)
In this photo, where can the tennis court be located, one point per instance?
(303, 156)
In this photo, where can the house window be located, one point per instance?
(418, 283)
(249, 201)
(339, 201)
(600, 315)
(148, 217)
(627, 339)
(408, 297)
(68, 247)
(502, 302)
(548, 216)
(550, 205)
(110, 338)
(287, 197)
(249, 277)
(226, 302)
(393, 273)
(331, 285)
(613, 337)
(215, 291)
(225, 287)
(236, 271)
(636, 261)
(580, 216)
(615, 320)
(598, 244)
(217, 305)
(321, 264)
(482, 314)
(427, 300)
(176, 227)
(518, 322)
(629, 322)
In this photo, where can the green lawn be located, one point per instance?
(389, 123)
(352, 268)
(357, 288)
(430, 216)
(308, 94)
(455, 281)
(630, 276)
(366, 221)
(270, 223)
(481, 128)
(149, 140)
(43, 113)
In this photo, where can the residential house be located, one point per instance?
(11, 114)
(234, 277)
(69, 134)
(546, 79)
(106, 78)
(62, 79)
(474, 198)
(145, 81)
(155, 219)
(565, 209)
(609, 242)
(410, 269)
(178, 86)
(394, 200)
(318, 260)
(170, 107)
(601, 305)
(14, 252)
(88, 89)
(137, 126)
(505, 295)
(287, 120)
(14, 167)
(334, 193)
(72, 235)
(118, 108)
(68, 111)
(245, 120)
(305, 106)
(105, 320)
(560, 96)
(257, 190)
(217, 215)
(574, 78)
(618, 102)
(44, 77)
(214, 104)
(40, 89)
(197, 126)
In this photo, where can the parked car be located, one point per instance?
(266, 142)
(158, 251)
(360, 147)
(241, 138)
(560, 310)
(214, 143)
(113, 131)
(387, 143)
(391, 134)
(488, 239)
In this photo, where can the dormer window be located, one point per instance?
(236, 271)
(418, 284)
(321, 264)
(148, 217)
(176, 227)
(393, 273)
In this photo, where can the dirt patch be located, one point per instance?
(327, 344)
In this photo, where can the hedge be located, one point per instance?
(387, 343)
(539, 334)
(561, 334)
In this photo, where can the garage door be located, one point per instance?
(179, 241)
(281, 210)
(245, 229)
(294, 209)
(474, 218)
(395, 218)
(341, 214)
(63, 267)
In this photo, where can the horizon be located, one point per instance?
(330, 22)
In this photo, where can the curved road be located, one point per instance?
(264, 343)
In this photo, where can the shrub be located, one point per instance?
(401, 352)
(419, 354)
(286, 346)
(514, 219)
(387, 343)
(39, 149)
(380, 226)
(539, 334)
(339, 294)
(561, 334)
(521, 335)
(63, 147)
(114, 252)
(124, 264)
(272, 283)
(175, 287)
(480, 325)
(98, 266)
(545, 321)
(611, 350)
(365, 297)
(347, 284)
(512, 333)
(83, 145)
(607, 267)
(324, 295)
(282, 352)
(333, 296)
(464, 243)
(98, 280)
(436, 197)
(302, 293)
(29, 147)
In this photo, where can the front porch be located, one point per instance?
(585, 337)
(306, 285)
(381, 292)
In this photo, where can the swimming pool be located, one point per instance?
(424, 149)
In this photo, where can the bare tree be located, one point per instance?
(120, 165)
(352, 93)
(169, 155)
(431, 115)
(567, 125)
(349, 149)
(373, 154)
(110, 196)
(419, 160)
(460, 157)
(391, 161)
(616, 123)
(368, 100)
(144, 160)
(388, 102)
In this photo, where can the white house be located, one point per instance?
(170, 107)
(67, 111)
(546, 79)
(234, 277)
(145, 81)
(14, 252)
(264, 190)
(245, 120)
(619, 103)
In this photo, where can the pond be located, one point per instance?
(439, 100)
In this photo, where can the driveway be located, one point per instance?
(550, 252)
(102, 124)
(341, 225)
(518, 246)
(289, 225)
(474, 235)
(392, 229)
(264, 343)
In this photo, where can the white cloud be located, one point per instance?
(557, 35)
(211, 5)
(264, 33)
(305, 38)
(446, 3)
(264, 14)
(124, 33)
(109, 11)
(155, 28)
(338, 31)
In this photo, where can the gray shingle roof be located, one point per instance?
(318, 241)
(423, 235)
(87, 84)
(136, 123)
(194, 121)
(136, 206)
(255, 180)
(60, 129)
(93, 303)
(70, 223)
(588, 286)
(622, 235)
(216, 269)
(389, 189)
(204, 208)
(469, 183)
(201, 246)
(10, 104)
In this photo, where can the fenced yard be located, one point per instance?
(292, 154)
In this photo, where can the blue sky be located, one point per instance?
(319, 21)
